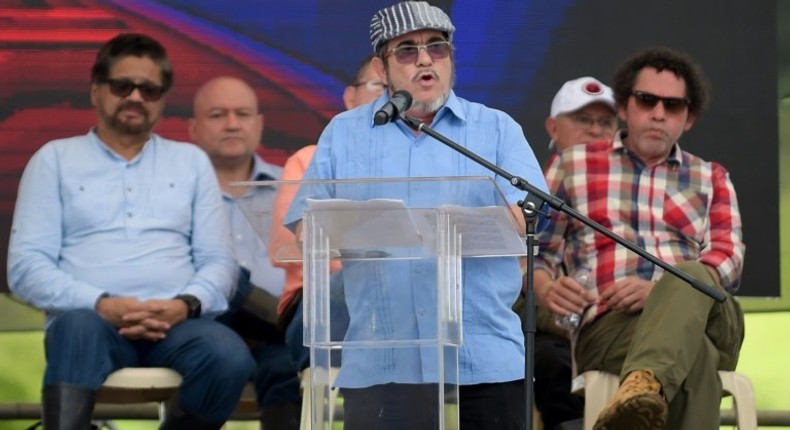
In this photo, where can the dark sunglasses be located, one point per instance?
(408, 54)
(647, 100)
(123, 87)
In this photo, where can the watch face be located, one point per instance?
(193, 305)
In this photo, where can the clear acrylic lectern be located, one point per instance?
(392, 316)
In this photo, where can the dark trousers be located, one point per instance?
(498, 406)
(553, 396)
(294, 339)
(83, 349)
(276, 379)
(294, 324)
(553, 371)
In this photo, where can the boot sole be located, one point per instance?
(644, 412)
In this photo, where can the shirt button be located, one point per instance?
(128, 214)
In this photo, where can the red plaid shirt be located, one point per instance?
(680, 210)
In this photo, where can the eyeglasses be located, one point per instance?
(587, 121)
(647, 100)
(408, 54)
(123, 87)
(372, 86)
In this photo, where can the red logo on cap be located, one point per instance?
(592, 88)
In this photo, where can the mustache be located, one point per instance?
(425, 72)
(131, 105)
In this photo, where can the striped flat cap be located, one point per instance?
(405, 17)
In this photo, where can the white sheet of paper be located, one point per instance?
(365, 224)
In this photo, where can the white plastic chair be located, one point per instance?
(140, 385)
(304, 378)
(598, 387)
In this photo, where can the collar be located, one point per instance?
(452, 105)
(93, 136)
(262, 171)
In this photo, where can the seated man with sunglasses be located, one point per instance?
(664, 338)
(120, 237)
(396, 387)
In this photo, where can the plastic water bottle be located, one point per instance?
(582, 275)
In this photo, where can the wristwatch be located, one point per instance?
(193, 305)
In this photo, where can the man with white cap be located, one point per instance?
(414, 52)
(582, 111)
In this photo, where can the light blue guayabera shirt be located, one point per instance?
(393, 300)
(250, 249)
(87, 221)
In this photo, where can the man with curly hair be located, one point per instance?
(666, 340)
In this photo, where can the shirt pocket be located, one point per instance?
(170, 199)
(88, 204)
(686, 213)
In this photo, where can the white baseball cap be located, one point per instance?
(578, 93)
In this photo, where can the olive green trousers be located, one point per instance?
(682, 335)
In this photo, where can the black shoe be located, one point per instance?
(67, 407)
(179, 419)
(577, 424)
(281, 416)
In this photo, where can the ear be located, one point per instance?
(94, 94)
(622, 113)
(348, 95)
(551, 127)
(191, 129)
(689, 122)
(260, 122)
(378, 67)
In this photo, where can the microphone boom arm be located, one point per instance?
(530, 207)
(560, 206)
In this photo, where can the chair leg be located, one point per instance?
(161, 410)
(599, 388)
(739, 386)
(307, 397)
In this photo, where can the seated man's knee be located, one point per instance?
(695, 269)
(76, 323)
(227, 353)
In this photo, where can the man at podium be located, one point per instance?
(386, 388)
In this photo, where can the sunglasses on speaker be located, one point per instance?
(647, 100)
(407, 54)
(123, 87)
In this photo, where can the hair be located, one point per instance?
(361, 69)
(661, 58)
(131, 44)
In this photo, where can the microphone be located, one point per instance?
(398, 103)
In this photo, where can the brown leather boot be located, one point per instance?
(637, 405)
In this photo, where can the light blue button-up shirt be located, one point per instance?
(88, 222)
(251, 252)
(394, 300)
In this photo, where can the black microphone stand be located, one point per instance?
(530, 207)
